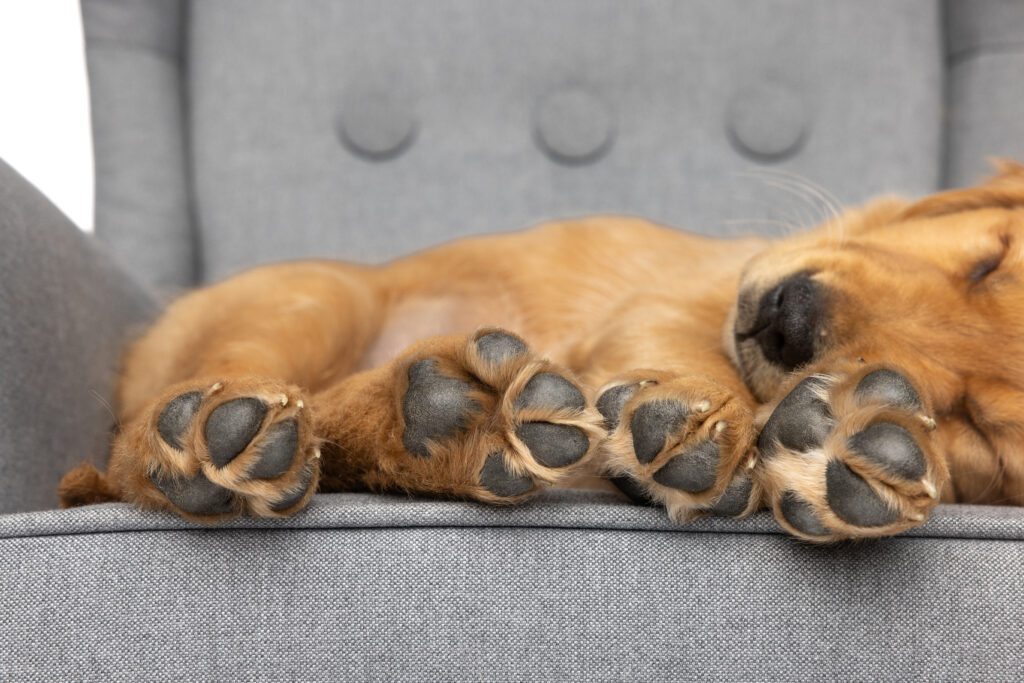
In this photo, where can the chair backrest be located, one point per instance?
(234, 132)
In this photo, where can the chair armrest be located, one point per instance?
(65, 312)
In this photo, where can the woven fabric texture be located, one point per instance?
(573, 586)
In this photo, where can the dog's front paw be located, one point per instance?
(219, 449)
(486, 418)
(682, 442)
(850, 455)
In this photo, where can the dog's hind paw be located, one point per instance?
(213, 450)
(850, 455)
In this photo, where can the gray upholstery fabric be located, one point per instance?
(230, 132)
(573, 586)
(134, 55)
(364, 129)
(671, 103)
(986, 55)
(65, 308)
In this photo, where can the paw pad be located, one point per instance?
(290, 500)
(277, 450)
(800, 515)
(853, 500)
(498, 347)
(892, 448)
(176, 418)
(197, 495)
(548, 390)
(231, 428)
(652, 423)
(693, 471)
(553, 445)
(434, 407)
(801, 421)
(496, 478)
(611, 403)
(736, 497)
(886, 386)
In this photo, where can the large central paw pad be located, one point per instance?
(492, 413)
(680, 441)
(225, 453)
(850, 457)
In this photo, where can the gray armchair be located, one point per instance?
(229, 133)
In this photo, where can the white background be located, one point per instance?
(44, 107)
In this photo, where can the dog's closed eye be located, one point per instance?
(989, 264)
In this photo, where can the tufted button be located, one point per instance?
(767, 121)
(573, 126)
(376, 125)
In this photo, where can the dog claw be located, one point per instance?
(299, 404)
(720, 426)
(283, 400)
(217, 386)
(928, 422)
(917, 516)
(929, 488)
(703, 407)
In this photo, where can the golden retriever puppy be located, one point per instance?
(848, 378)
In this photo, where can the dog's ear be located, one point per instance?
(1005, 190)
(85, 485)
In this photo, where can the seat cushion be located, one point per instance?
(571, 586)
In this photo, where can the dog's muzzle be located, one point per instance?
(787, 321)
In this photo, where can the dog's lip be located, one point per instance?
(757, 329)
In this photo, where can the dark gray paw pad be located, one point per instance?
(633, 490)
(198, 495)
(553, 445)
(292, 499)
(548, 390)
(800, 422)
(886, 386)
(231, 427)
(277, 450)
(176, 417)
(853, 500)
(498, 480)
(611, 402)
(434, 407)
(735, 499)
(692, 470)
(800, 515)
(497, 347)
(891, 447)
(652, 423)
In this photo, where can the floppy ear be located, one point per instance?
(1003, 190)
(85, 485)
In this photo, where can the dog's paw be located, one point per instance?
(486, 418)
(850, 456)
(682, 442)
(219, 449)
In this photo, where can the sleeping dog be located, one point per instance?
(848, 378)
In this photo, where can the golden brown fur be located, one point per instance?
(933, 288)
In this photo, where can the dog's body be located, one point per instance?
(811, 375)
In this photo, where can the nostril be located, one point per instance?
(788, 318)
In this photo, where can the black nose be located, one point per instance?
(788, 319)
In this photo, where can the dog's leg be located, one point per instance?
(681, 433)
(479, 417)
(684, 441)
(850, 453)
(214, 401)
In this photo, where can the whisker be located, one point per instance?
(801, 186)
